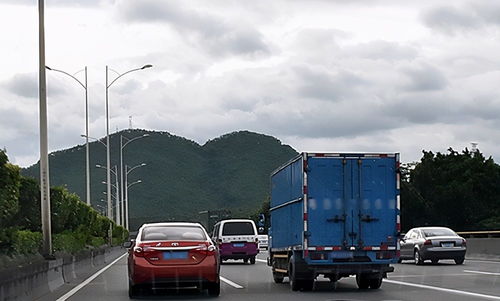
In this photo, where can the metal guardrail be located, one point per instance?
(478, 234)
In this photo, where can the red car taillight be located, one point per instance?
(428, 242)
(205, 249)
(138, 251)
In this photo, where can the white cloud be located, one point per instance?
(319, 75)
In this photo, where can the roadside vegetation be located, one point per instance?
(75, 226)
(460, 190)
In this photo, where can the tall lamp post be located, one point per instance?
(114, 170)
(127, 186)
(87, 160)
(108, 160)
(44, 148)
(122, 146)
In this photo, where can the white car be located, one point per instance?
(263, 241)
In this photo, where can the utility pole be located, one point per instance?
(44, 149)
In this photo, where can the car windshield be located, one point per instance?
(238, 228)
(172, 233)
(438, 232)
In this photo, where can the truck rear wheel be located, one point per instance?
(362, 281)
(375, 283)
(294, 283)
(278, 277)
(307, 284)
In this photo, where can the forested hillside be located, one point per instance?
(181, 177)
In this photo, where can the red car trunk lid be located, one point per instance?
(176, 253)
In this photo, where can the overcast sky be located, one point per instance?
(320, 75)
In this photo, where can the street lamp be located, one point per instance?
(127, 186)
(108, 160)
(44, 148)
(95, 139)
(114, 170)
(122, 146)
(87, 153)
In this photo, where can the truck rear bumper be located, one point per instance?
(351, 269)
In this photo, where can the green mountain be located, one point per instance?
(181, 178)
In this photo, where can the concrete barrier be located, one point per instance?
(483, 248)
(40, 277)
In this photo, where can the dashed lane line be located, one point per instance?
(447, 290)
(484, 261)
(88, 280)
(260, 260)
(422, 275)
(235, 285)
(483, 273)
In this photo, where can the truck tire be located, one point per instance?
(278, 277)
(375, 283)
(307, 284)
(295, 284)
(362, 281)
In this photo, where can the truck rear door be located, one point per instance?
(351, 200)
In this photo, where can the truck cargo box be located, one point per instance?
(338, 212)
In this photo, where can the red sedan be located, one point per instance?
(173, 255)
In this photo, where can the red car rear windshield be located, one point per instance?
(238, 228)
(172, 233)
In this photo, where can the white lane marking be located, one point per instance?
(88, 280)
(484, 261)
(442, 289)
(260, 260)
(481, 272)
(235, 285)
(421, 276)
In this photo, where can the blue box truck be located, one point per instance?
(336, 215)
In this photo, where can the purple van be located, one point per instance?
(237, 239)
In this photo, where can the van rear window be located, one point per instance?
(238, 228)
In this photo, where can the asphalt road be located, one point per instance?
(474, 280)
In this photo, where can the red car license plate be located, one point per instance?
(175, 255)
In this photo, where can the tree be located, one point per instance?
(28, 216)
(9, 190)
(459, 190)
(411, 201)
